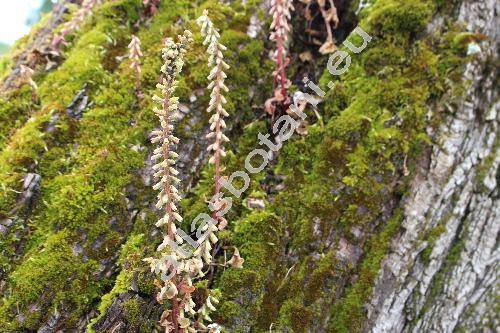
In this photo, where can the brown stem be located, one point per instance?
(281, 66)
(137, 81)
(280, 61)
(327, 23)
(138, 87)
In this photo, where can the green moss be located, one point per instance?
(16, 158)
(14, 110)
(337, 178)
(393, 18)
(5, 65)
(320, 281)
(82, 66)
(255, 236)
(132, 312)
(347, 314)
(130, 256)
(431, 239)
(32, 143)
(295, 317)
(126, 11)
(61, 277)
(71, 203)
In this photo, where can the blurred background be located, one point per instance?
(16, 18)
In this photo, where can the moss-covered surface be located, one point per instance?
(336, 187)
(14, 110)
(344, 180)
(53, 258)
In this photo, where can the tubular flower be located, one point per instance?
(217, 124)
(74, 23)
(175, 265)
(328, 12)
(174, 282)
(281, 12)
(135, 54)
(164, 155)
(236, 260)
(26, 75)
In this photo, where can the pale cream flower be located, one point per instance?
(135, 54)
(217, 123)
(216, 77)
(236, 260)
(26, 75)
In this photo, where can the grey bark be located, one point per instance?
(456, 288)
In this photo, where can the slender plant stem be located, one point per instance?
(168, 207)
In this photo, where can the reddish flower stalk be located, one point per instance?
(151, 6)
(165, 172)
(217, 99)
(280, 10)
(73, 24)
(217, 123)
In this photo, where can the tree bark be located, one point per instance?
(456, 188)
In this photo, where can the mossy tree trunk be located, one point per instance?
(442, 272)
(384, 217)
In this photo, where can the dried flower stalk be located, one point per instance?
(236, 260)
(330, 17)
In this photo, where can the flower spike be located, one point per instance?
(135, 55)
(74, 24)
(281, 13)
(171, 266)
(217, 124)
